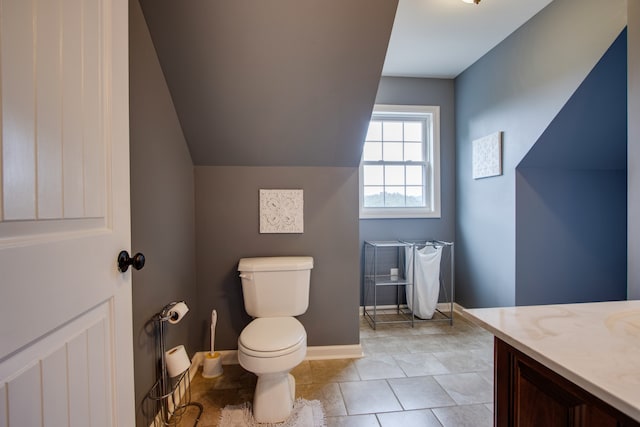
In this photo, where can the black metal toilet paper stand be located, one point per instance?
(170, 396)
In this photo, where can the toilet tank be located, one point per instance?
(275, 286)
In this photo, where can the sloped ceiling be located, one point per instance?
(272, 83)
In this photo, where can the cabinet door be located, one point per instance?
(529, 394)
(541, 401)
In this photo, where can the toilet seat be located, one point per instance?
(267, 337)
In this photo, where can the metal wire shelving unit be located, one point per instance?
(375, 280)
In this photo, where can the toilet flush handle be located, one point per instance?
(245, 276)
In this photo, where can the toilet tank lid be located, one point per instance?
(284, 263)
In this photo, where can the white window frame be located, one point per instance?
(432, 178)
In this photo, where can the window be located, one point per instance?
(400, 167)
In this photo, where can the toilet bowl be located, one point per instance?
(274, 290)
(270, 347)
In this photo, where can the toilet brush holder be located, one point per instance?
(212, 366)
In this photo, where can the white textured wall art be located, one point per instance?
(487, 156)
(281, 211)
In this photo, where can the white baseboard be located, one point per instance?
(458, 309)
(462, 313)
(325, 352)
(229, 357)
(322, 352)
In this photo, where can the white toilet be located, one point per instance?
(275, 289)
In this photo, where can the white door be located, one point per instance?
(65, 311)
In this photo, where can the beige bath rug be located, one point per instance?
(306, 413)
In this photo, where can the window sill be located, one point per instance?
(405, 213)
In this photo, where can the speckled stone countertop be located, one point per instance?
(594, 345)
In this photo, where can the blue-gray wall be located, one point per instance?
(418, 91)
(571, 236)
(633, 159)
(571, 195)
(227, 224)
(517, 88)
(162, 210)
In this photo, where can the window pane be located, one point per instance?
(393, 175)
(372, 151)
(394, 197)
(413, 152)
(373, 175)
(414, 175)
(392, 152)
(392, 131)
(397, 165)
(373, 197)
(375, 131)
(413, 131)
(415, 197)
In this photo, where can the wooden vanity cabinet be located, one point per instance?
(528, 394)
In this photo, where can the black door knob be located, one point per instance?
(124, 261)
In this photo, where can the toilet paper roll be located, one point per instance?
(177, 312)
(177, 361)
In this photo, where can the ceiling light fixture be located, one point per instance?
(471, 1)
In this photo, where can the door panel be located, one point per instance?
(72, 110)
(49, 113)
(54, 387)
(18, 116)
(65, 310)
(3, 406)
(62, 379)
(23, 411)
(54, 142)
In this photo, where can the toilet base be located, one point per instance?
(273, 398)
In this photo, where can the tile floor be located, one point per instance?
(430, 375)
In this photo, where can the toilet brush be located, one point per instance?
(214, 321)
(212, 366)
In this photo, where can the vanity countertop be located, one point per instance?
(594, 345)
